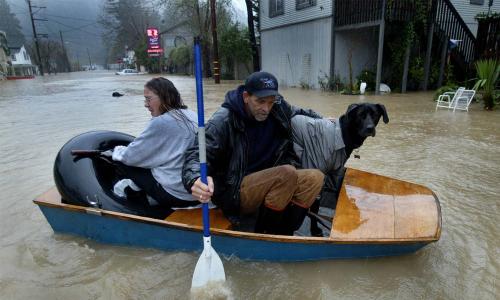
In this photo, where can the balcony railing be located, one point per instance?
(350, 12)
(450, 25)
(448, 22)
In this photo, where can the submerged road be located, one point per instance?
(454, 154)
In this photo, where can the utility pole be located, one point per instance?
(66, 60)
(216, 48)
(35, 36)
(78, 61)
(90, 61)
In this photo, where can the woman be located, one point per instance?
(153, 161)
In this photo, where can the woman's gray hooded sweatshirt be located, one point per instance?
(161, 147)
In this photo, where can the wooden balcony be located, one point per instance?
(352, 12)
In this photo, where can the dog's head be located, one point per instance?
(364, 117)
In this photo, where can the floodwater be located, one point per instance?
(454, 154)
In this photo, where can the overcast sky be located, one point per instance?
(241, 10)
(239, 4)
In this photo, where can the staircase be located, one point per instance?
(448, 24)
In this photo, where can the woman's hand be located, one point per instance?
(201, 191)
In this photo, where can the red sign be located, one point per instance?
(153, 38)
(154, 45)
(160, 50)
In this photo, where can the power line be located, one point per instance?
(71, 18)
(78, 28)
(36, 38)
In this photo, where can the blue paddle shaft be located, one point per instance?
(201, 131)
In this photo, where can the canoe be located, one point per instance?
(375, 216)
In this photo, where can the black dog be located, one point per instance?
(116, 94)
(327, 144)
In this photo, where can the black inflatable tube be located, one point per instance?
(89, 181)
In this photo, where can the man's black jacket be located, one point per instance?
(227, 147)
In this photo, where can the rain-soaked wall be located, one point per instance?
(297, 53)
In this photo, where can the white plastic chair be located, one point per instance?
(449, 99)
(464, 101)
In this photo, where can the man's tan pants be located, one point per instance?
(279, 186)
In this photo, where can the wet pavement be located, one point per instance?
(454, 154)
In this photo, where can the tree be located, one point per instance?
(52, 55)
(235, 47)
(196, 14)
(125, 23)
(180, 58)
(10, 24)
(253, 17)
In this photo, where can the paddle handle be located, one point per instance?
(201, 130)
(86, 152)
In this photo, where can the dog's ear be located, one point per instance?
(383, 111)
(351, 108)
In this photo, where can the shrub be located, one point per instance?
(444, 89)
(330, 83)
(367, 76)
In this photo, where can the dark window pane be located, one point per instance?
(300, 4)
(276, 8)
(478, 2)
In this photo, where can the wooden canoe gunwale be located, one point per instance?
(44, 201)
(232, 233)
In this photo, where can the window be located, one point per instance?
(477, 2)
(13, 57)
(276, 8)
(301, 4)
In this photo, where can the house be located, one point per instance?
(469, 9)
(21, 62)
(176, 36)
(4, 55)
(303, 40)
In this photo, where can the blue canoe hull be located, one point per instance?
(161, 235)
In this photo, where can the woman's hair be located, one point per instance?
(170, 99)
(169, 95)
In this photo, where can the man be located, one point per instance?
(250, 159)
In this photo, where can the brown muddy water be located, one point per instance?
(454, 154)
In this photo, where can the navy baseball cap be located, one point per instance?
(262, 84)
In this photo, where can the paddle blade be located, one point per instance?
(209, 267)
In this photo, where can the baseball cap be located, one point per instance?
(262, 84)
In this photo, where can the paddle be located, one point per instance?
(209, 267)
(86, 153)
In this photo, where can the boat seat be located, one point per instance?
(193, 217)
(374, 207)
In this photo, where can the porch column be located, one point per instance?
(430, 34)
(405, 69)
(380, 49)
(332, 43)
(444, 51)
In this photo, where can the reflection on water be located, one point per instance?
(454, 154)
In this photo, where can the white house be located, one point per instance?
(21, 62)
(302, 40)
